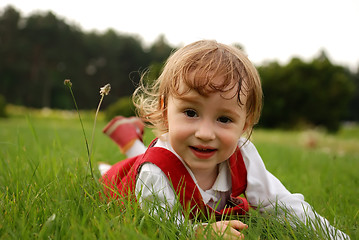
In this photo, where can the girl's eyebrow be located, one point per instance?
(230, 111)
(189, 97)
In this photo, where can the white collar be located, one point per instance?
(223, 181)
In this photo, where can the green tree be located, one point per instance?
(50, 43)
(10, 54)
(315, 93)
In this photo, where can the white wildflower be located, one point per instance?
(105, 90)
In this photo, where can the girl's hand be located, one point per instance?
(229, 229)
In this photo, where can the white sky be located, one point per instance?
(267, 29)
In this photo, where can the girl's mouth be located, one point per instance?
(203, 152)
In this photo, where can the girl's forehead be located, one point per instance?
(207, 82)
(228, 86)
(186, 92)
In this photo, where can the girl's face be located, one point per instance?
(205, 131)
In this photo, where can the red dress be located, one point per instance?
(121, 179)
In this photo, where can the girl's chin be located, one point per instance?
(195, 167)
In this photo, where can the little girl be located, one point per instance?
(207, 98)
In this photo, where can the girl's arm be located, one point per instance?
(266, 191)
(153, 190)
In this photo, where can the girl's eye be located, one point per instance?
(224, 120)
(190, 113)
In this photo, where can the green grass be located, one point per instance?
(46, 190)
(327, 174)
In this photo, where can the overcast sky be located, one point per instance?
(267, 29)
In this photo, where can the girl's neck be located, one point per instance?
(206, 178)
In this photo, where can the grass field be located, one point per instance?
(46, 190)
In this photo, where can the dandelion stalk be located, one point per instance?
(103, 91)
(68, 83)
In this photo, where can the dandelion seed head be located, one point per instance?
(68, 83)
(105, 90)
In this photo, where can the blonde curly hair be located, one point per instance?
(196, 65)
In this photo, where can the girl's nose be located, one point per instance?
(205, 131)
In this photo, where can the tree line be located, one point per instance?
(315, 93)
(38, 52)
